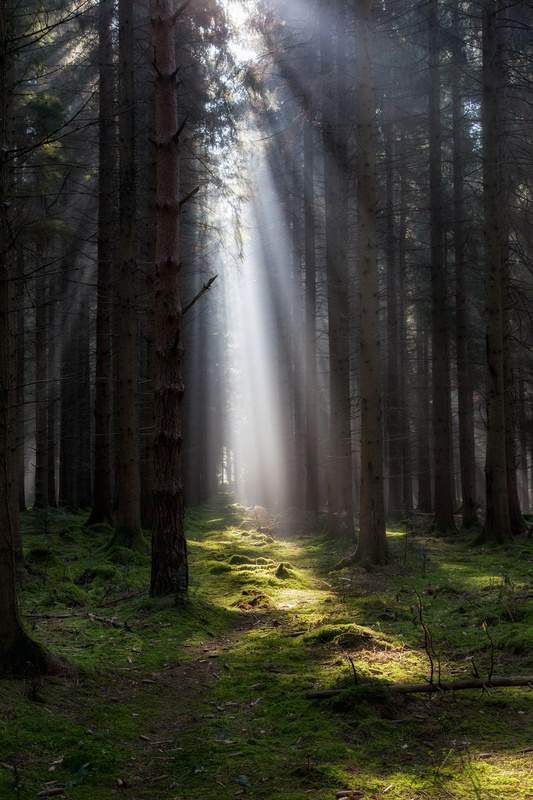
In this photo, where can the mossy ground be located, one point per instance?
(208, 699)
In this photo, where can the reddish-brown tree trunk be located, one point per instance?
(372, 546)
(169, 548)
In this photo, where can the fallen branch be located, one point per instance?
(443, 686)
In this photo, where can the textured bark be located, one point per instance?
(41, 438)
(20, 405)
(465, 392)
(127, 491)
(441, 401)
(51, 398)
(405, 427)
(517, 522)
(372, 546)
(497, 526)
(18, 653)
(334, 132)
(311, 415)
(392, 404)
(423, 427)
(102, 496)
(169, 547)
(522, 426)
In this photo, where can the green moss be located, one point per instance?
(348, 634)
(99, 572)
(66, 594)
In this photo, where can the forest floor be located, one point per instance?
(207, 700)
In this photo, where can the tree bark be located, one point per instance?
(497, 526)
(465, 392)
(441, 402)
(19, 654)
(372, 546)
(102, 496)
(392, 405)
(311, 415)
(127, 491)
(169, 547)
(334, 133)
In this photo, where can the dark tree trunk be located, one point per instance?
(18, 653)
(372, 546)
(392, 405)
(465, 392)
(497, 526)
(441, 401)
(102, 499)
(41, 433)
(127, 489)
(334, 132)
(169, 547)
(311, 416)
(423, 427)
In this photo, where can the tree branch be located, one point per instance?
(205, 288)
(444, 686)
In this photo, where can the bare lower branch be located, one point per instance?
(205, 288)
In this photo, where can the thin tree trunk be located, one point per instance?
(423, 421)
(441, 401)
(392, 406)
(517, 522)
(311, 416)
(102, 500)
(497, 526)
(127, 492)
(41, 434)
(465, 392)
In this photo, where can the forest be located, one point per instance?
(266, 435)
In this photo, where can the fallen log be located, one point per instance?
(443, 686)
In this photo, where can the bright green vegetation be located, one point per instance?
(208, 699)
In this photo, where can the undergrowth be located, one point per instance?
(208, 699)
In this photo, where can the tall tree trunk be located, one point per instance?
(41, 433)
(372, 546)
(102, 500)
(518, 524)
(340, 509)
(405, 428)
(392, 406)
(51, 399)
(18, 653)
(497, 526)
(311, 415)
(21, 369)
(522, 427)
(441, 401)
(127, 491)
(423, 425)
(465, 392)
(169, 547)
